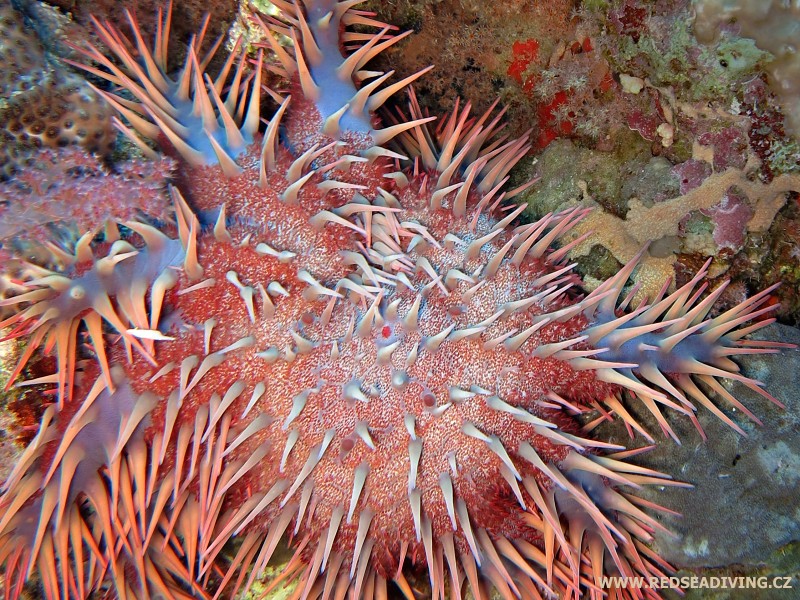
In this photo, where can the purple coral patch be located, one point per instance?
(730, 147)
(645, 123)
(730, 216)
(691, 174)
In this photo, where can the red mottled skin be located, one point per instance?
(516, 377)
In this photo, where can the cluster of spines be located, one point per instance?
(344, 108)
(180, 108)
(164, 520)
(493, 557)
(125, 287)
(659, 350)
(567, 488)
(498, 559)
(467, 148)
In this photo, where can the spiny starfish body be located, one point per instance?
(346, 344)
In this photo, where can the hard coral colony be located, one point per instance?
(343, 340)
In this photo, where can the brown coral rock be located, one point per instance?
(45, 105)
(185, 15)
(60, 112)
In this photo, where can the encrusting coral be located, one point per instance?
(624, 237)
(344, 339)
(774, 26)
(43, 106)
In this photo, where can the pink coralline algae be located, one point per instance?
(730, 218)
(729, 145)
(343, 338)
(646, 122)
(691, 174)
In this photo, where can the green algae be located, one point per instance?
(565, 166)
(697, 73)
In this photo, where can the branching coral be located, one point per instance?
(343, 338)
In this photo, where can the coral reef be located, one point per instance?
(596, 72)
(775, 27)
(683, 210)
(480, 54)
(710, 113)
(754, 207)
(343, 337)
(43, 105)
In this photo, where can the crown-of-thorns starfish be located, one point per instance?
(346, 340)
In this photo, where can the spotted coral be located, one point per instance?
(45, 106)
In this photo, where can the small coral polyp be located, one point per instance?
(344, 340)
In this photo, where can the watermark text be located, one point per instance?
(760, 582)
